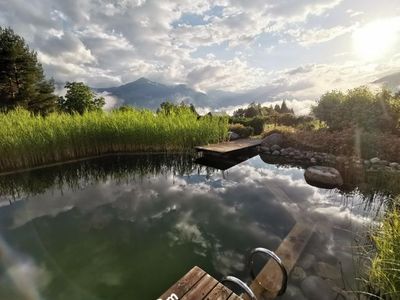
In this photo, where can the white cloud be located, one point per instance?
(107, 43)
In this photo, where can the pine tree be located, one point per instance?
(22, 82)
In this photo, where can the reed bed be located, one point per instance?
(27, 140)
(385, 267)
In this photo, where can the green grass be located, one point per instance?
(27, 140)
(385, 268)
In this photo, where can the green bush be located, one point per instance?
(359, 107)
(242, 131)
(257, 124)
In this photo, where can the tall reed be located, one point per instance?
(27, 140)
(385, 267)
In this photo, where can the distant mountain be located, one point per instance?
(391, 81)
(149, 94)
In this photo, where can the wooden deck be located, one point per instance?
(198, 285)
(228, 147)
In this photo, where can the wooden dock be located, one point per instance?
(229, 147)
(268, 281)
(198, 285)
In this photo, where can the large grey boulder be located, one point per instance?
(273, 139)
(233, 136)
(324, 177)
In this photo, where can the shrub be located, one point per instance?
(257, 124)
(242, 131)
(359, 107)
(348, 142)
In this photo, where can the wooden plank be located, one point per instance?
(183, 285)
(289, 251)
(235, 297)
(201, 289)
(219, 292)
(227, 147)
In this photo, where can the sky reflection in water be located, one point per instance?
(131, 239)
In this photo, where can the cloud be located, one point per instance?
(107, 43)
(307, 37)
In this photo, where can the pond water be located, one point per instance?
(128, 227)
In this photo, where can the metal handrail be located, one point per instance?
(241, 284)
(277, 260)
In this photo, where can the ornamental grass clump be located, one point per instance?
(28, 140)
(385, 267)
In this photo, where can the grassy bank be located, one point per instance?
(27, 140)
(385, 267)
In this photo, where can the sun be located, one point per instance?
(374, 40)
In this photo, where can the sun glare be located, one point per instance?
(375, 39)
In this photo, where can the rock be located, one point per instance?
(325, 177)
(275, 147)
(307, 261)
(273, 139)
(265, 149)
(341, 159)
(367, 163)
(327, 271)
(276, 152)
(383, 163)
(284, 152)
(374, 160)
(313, 160)
(394, 165)
(233, 136)
(298, 274)
(315, 288)
(292, 293)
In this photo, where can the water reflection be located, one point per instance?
(128, 227)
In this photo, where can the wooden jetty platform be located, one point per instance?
(198, 285)
(268, 282)
(228, 147)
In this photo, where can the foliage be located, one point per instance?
(28, 140)
(287, 119)
(169, 107)
(253, 110)
(385, 267)
(79, 99)
(22, 82)
(285, 130)
(359, 107)
(370, 143)
(283, 109)
(242, 131)
(257, 124)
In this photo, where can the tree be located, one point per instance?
(22, 81)
(329, 108)
(79, 99)
(359, 107)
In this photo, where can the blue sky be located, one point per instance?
(293, 49)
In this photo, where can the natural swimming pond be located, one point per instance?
(128, 227)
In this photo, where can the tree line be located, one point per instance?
(23, 83)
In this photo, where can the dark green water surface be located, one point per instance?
(128, 227)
